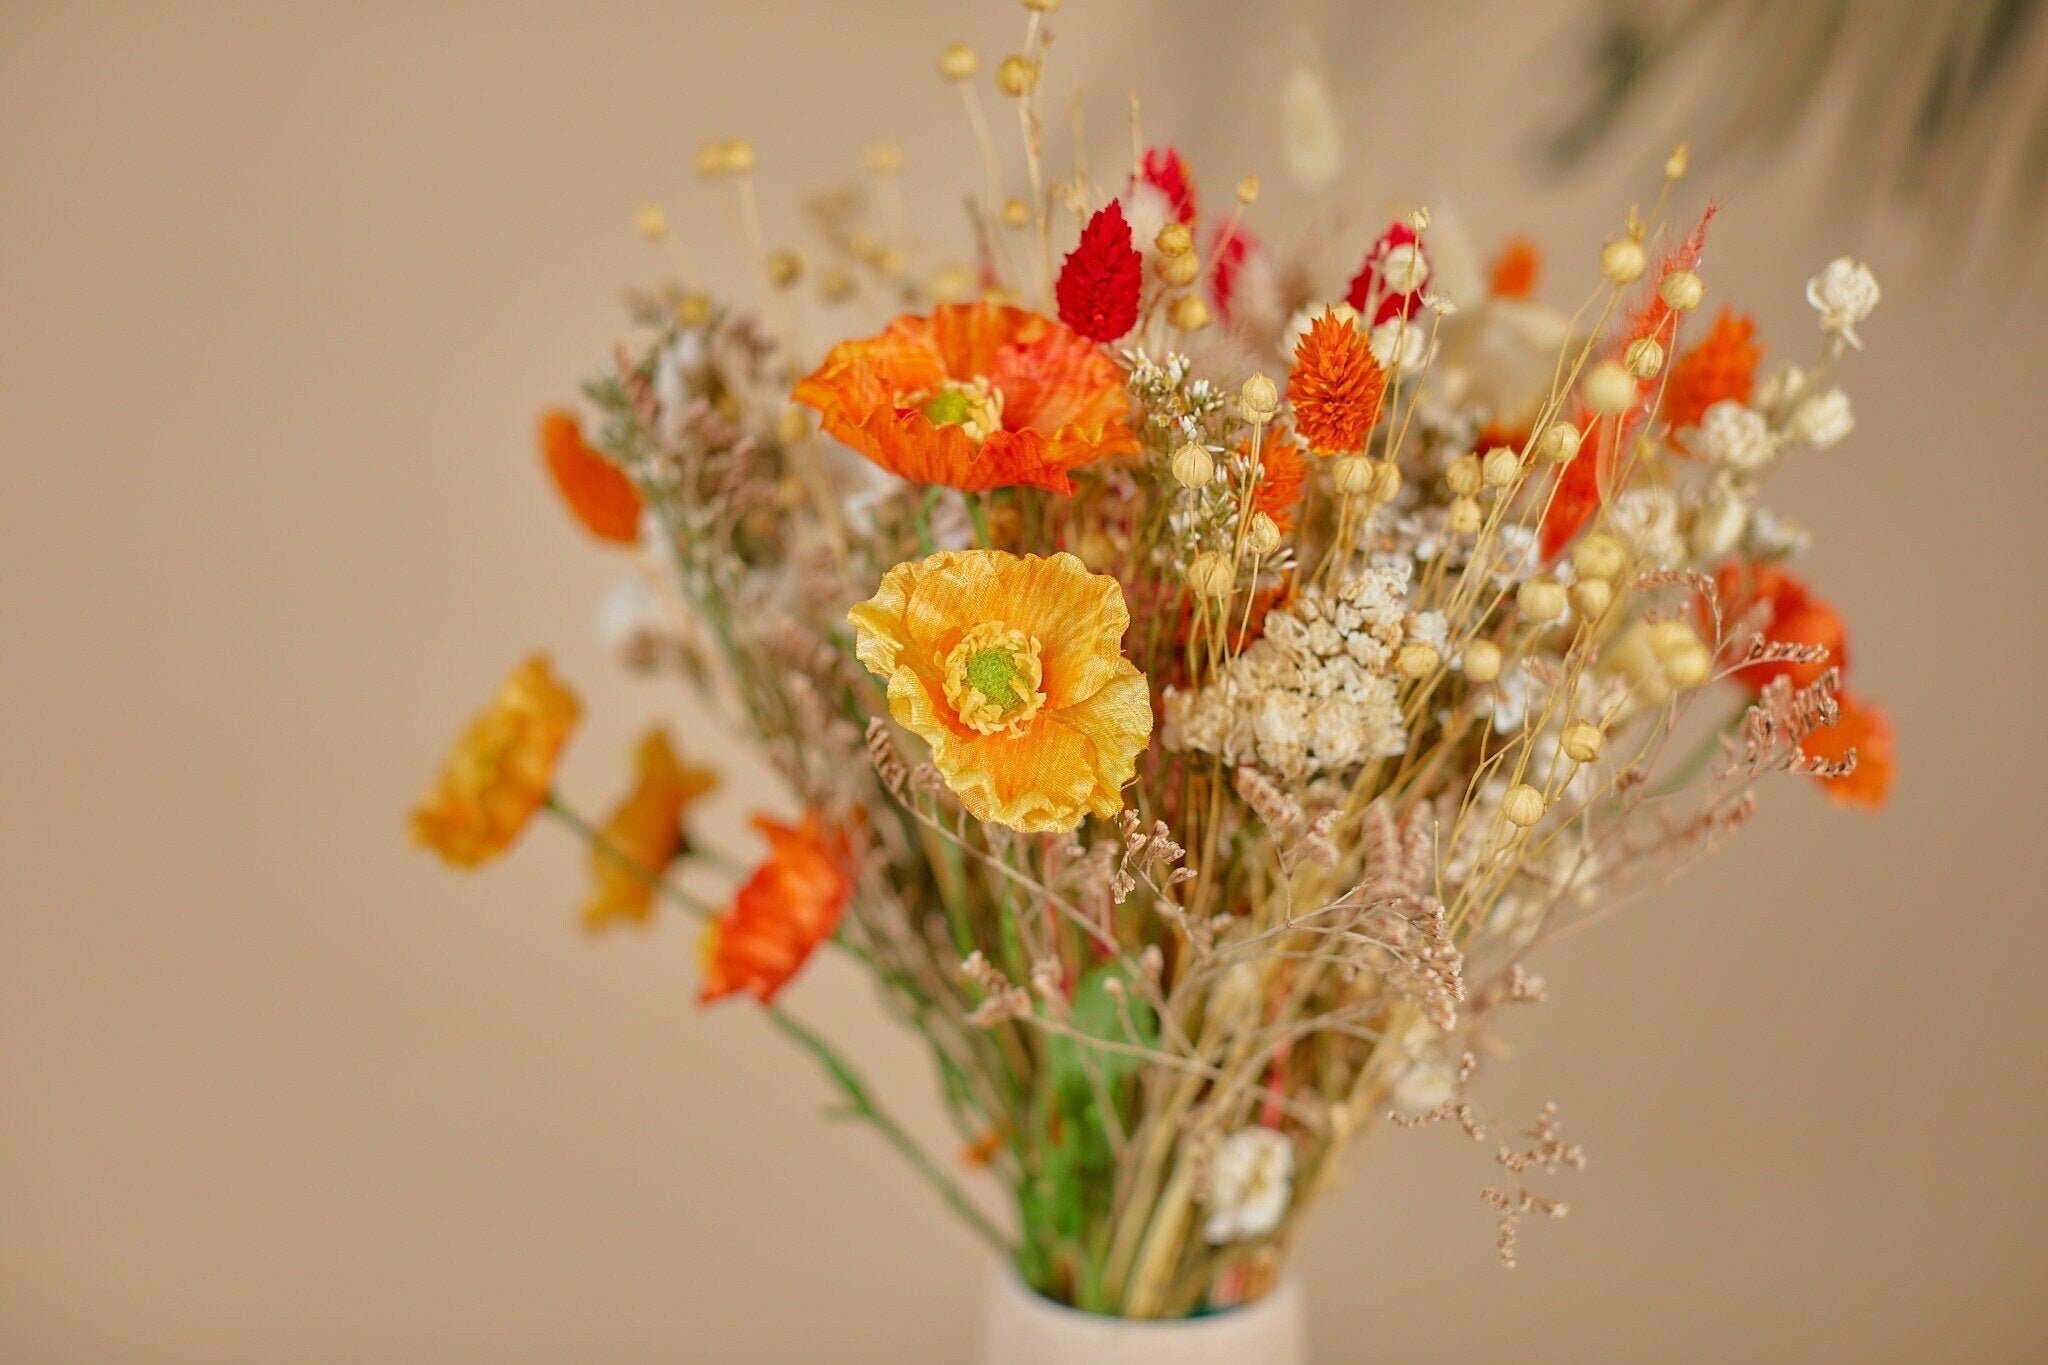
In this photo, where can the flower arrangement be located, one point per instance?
(1202, 678)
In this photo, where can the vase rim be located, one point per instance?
(1275, 1297)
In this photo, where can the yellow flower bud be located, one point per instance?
(958, 62)
(1212, 575)
(1017, 76)
(1463, 517)
(1681, 290)
(1598, 555)
(1193, 466)
(1501, 467)
(1622, 261)
(1608, 389)
(651, 223)
(1179, 270)
(1541, 600)
(1261, 535)
(1188, 313)
(1175, 239)
(1643, 358)
(1523, 805)
(1352, 475)
(1481, 661)
(1581, 742)
(1416, 660)
(1248, 190)
(1591, 597)
(1560, 442)
(1465, 476)
(1258, 402)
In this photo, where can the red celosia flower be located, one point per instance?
(1515, 270)
(1367, 284)
(1229, 250)
(1335, 386)
(1283, 471)
(598, 493)
(1578, 486)
(1099, 284)
(788, 907)
(1797, 617)
(1866, 730)
(1720, 367)
(1163, 169)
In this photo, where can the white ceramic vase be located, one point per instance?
(1020, 1328)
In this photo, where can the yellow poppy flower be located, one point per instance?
(500, 770)
(1013, 670)
(647, 826)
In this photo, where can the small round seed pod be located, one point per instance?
(1188, 313)
(1212, 575)
(1591, 597)
(693, 309)
(1016, 213)
(710, 160)
(1622, 261)
(1175, 239)
(739, 156)
(1463, 517)
(1643, 358)
(1598, 555)
(1675, 164)
(1560, 442)
(1261, 535)
(783, 268)
(651, 223)
(1259, 400)
(882, 158)
(1681, 290)
(1541, 600)
(1481, 661)
(1096, 550)
(1669, 638)
(1193, 466)
(1017, 76)
(1501, 467)
(1416, 660)
(1386, 481)
(1352, 475)
(836, 286)
(792, 425)
(1465, 476)
(1608, 389)
(1581, 742)
(1041, 6)
(1178, 270)
(958, 62)
(1523, 805)
(1248, 190)
(1688, 667)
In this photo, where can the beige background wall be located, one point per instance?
(279, 291)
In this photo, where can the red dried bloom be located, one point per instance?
(1163, 169)
(1099, 284)
(1367, 284)
(1864, 729)
(1335, 386)
(1283, 473)
(1720, 367)
(1229, 251)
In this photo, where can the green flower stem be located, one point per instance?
(860, 1101)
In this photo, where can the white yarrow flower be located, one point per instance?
(1251, 1181)
(1735, 437)
(1823, 419)
(1844, 292)
(1647, 518)
(1398, 346)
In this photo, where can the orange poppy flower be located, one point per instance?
(1866, 729)
(647, 826)
(976, 396)
(1722, 366)
(1335, 386)
(1013, 670)
(1796, 617)
(789, 906)
(1283, 472)
(598, 493)
(499, 771)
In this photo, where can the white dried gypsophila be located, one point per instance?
(1647, 519)
(1772, 537)
(1735, 437)
(1718, 523)
(1779, 387)
(1506, 700)
(1822, 420)
(1315, 693)
(1250, 1184)
(1844, 293)
(1399, 347)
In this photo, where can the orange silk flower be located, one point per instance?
(976, 396)
(1796, 617)
(1013, 670)
(500, 770)
(1866, 729)
(647, 826)
(597, 491)
(1335, 386)
(790, 905)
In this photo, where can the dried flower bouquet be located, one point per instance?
(1205, 678)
